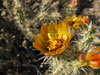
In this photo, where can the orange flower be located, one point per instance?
(76, 22)
(73, 3)
(53, 38)
(91, 59)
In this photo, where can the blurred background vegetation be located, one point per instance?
(21, 19)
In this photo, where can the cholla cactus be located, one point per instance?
(47, 10)
(63, 58)
(87, 38)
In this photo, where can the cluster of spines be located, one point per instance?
(48, 12)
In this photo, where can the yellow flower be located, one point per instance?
(91, 59)
(53, 38)
(76, 22)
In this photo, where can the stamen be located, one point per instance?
(55, 42)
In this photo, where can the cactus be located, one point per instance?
(67, 63)
(29, 22)
(48, 11)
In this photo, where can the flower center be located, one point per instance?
(54, 42)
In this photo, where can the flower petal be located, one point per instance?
(38, 44)
(73, 18)
(66, 20)
(78, 19)
(92, 53)
(44, 31)
(85, 20)
(39, 48)
(94, 57)
(63, 28)
(52, 28)
(76, 25)
(95, 64)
